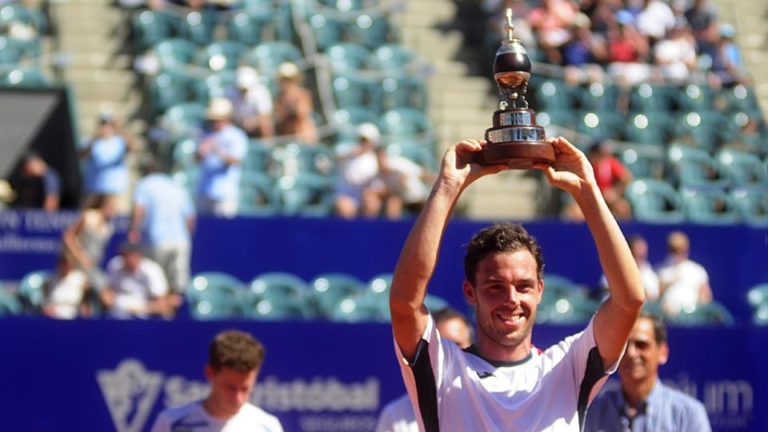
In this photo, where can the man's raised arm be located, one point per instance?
(419, 255)
(616, 316)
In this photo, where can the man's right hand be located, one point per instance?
(457, 167)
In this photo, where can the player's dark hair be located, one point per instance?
(236, 350)
(659, 328)
(503, 237)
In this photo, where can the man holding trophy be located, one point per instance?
(504, 382)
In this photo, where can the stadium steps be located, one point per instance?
(461, 107)
(750, 17)
(91, 35)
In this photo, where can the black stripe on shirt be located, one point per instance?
(426, 389)
(593, 373)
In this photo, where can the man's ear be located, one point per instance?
(663, 353)
(469, 293)
(209, 372)
(540, 290)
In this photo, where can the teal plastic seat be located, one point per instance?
(32, 290)
(567, 310)
(694, 97)
(757, 295)
(346, 121)
(298, 158)
(167, 90)
(597, 97)
(347, 57)
(710, 206)
(257, 197)
(221, 56)
(354, 91)
(327, 29)
(277, 286)
(305, 194)
(184, 119)
(363, 307)
(740, 98)
(9, 304)
(760, 316)
(406, 122)
(214, 295)
(435, 303)
(371, 30)
(380, 284)
(600, 125)
(198, 26)
(329, 289)
(392, 58)
(11, 52)
(556, 117)
(176, 55)
(27, 77)
(654, 201)
(648, 97)
(259, 157)
(215, 85)
(699, 128)
(253, 26)
(188, 179)
(415, 151)
(705, 314)
(744, 169)
(152, 27)
(695, 168)
(279, 309)
(184, 155)
(268, 56)
(647, 128)
(752, 204)
(644, 160)
(553, 94)
(403, 92)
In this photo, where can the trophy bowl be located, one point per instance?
(514, 139)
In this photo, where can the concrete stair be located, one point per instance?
(460, 107)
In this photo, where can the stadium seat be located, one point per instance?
(644, 160)
(648, 97)
(184, 120)
(699, 128)
(600, 125)
(694, 97)
(557, 287)
(346, 121)
(11, 52)
(167, 90)
(28, 77)
(152, 27)
(647, 128)
(221, 55)
(363, 307)
(371, 30)
(654, 201)
(214, 85)
(255, 26)
(403, 92)
(295, 159)
(435, 303)
(567, 310)
(706, 314)
(9, 304)
(392, 58)
(305, 194)
(32, 290)
(354, 91)
(743, 169)
(214, 295)
(752, 204)
(183, 156)
(760, 316)
(259, 157)
(556, 117)
(279, 309)
(327, 28)
(347, 57)
(406, 122)
(257, 196)
(414, 151)
(198, 26)
(709, 205)
(598, 97)
(695, 168)
(379, 284)
(176, 55)
(268, 56)
(757, 295)
(553, 94)
(328, 289)
(278, 286)
(740, 98)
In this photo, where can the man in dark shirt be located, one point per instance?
(38, 185)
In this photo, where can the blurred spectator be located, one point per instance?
(643, 402)
(601, 14)
(87, 238)
(106, 171)
(627, 52)
(293, 106)
(163, 219)
(65, 290)
(137, 286)
(639, 247)
(356, 168)
(702, 17)
(655, 20)
(38, 186)
(551, 22)
(683, 283)
(400, 183)
(727, 66)
(252, 104)
(220, 154)
(398, 415)
(612, 177)
(676, 54)
(583, 52)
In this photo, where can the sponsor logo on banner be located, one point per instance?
(130, 391)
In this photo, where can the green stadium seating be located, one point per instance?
(32, 290)
(654, 201)
(706, 314)
(305, 194)
(9, 303)
(710, 205)
(221, 55)
(347, 57)
(329, 289)
(644, 160)
(403, 92)
(694, 167)
(257, 195)
(268, 56)
(198, 26)
(752, 204)
(152, 27)
(214, 295)
(744, 169)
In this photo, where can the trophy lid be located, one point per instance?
(511, 55)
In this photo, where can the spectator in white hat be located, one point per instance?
(356, 168)
(293, 106)
(252, 104)
(220, 154)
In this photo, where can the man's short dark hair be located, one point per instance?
(447, 314)
(236, 350)
(500, 238)
(659, 328)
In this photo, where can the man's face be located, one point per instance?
(230, 389)
(131, 259)
(643, 356)
(506, 294)
(456, 330)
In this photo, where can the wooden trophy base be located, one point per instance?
(516, 141)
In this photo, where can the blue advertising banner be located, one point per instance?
(101, 375)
